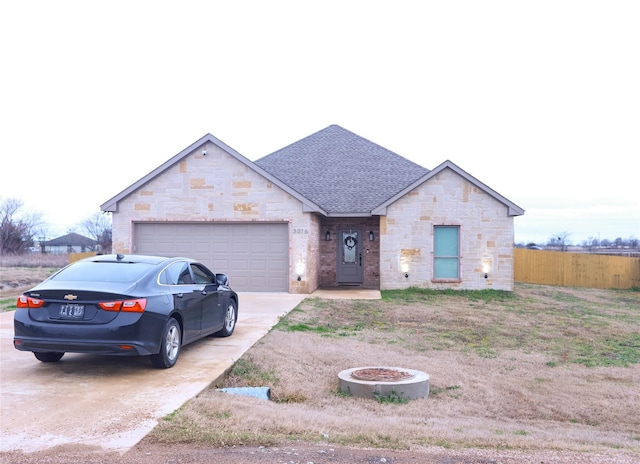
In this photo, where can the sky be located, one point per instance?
(538, 100)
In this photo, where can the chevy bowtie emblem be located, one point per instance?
(70, 297)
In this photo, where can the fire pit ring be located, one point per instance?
(371, 381)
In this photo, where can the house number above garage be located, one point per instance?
(302, 230)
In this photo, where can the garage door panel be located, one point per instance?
(259, 265)
(255, 256)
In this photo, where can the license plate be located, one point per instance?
(71, 311)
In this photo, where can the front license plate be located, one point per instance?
(71, 311)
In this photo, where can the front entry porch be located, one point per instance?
(350, 252)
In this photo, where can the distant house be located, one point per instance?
(332, 209)
(70, 243)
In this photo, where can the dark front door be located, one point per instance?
(349, 256)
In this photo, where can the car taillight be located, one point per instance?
(110, 305)
(29, 302)
(134, 306)
(129, 306)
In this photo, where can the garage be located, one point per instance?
(255, 256)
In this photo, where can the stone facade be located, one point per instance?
(219, 186)
(486, 236)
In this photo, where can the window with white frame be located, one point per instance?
(446, 253)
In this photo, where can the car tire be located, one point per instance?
(170, 346)
(49, 356)
(230, 318)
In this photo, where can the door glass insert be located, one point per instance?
(349, 247)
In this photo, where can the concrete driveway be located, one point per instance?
(113, 402)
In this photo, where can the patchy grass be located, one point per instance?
(7, 304)
(539, 368)
(567, 327)
(247, 373)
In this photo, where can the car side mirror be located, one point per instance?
(222, 279)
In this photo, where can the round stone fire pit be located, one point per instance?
(369, 382)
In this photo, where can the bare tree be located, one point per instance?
(17, 231)
(98, 227)
(560, 240)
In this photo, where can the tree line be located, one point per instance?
(562, 241)
(21, 231)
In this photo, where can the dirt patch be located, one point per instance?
(309, 453)
(381, 374)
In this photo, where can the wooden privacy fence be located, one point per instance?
(78, 256)
(575, 269)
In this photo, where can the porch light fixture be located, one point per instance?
(405, 270)
(371, 236)
(300, 269)
(486, 267)
(327, 236)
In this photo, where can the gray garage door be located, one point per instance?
(255, 256)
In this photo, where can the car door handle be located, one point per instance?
(179, 295)
(203, 292)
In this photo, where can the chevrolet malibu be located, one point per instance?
(125, 305)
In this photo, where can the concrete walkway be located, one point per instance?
(347, 293)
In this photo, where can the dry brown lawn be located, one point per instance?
(20, 273)
(544, 368)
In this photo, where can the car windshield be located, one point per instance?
(92, 271)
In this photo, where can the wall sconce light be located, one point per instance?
(485, 268)
(327, 236)
(371, 236)
(405, 270)
(300, 269)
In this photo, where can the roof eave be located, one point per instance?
(512, 208)
(111, 205)
(350, 215)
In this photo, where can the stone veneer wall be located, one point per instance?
(218, 187)
(486, 235)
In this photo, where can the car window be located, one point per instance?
(102, 271)
(202, 275)
(176, 274)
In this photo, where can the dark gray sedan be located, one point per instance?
(125, 305)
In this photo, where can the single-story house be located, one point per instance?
(332, 209)
(69, 243)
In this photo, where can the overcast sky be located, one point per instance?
(538, 100)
